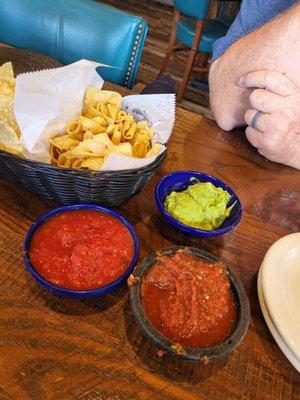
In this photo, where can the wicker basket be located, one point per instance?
(63, 184)
(68, 186)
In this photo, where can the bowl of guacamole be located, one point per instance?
(198, 204)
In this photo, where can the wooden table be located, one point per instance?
(57, 348)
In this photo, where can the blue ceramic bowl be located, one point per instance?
(79, 293)
(179, 181)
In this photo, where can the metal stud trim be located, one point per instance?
(133, 54)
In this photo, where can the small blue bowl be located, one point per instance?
(80, 294)
(179, 181)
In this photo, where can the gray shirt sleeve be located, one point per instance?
(252, 14)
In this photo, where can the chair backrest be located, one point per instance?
(69, 30)
(193, 8)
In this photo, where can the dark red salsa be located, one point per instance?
(189, 300)
(81, 249)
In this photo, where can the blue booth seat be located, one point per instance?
(69, 30)
(212, 30)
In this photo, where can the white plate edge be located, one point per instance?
(281, 329)
(275, 333)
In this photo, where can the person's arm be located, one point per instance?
(273, 46)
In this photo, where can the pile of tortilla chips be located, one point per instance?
(9, 130)
(102, 129)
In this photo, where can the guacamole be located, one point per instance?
(201, 206)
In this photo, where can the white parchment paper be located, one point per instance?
(45, 101)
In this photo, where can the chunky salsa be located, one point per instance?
(189, 300)
(81, 249)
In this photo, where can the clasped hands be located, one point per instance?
(277, 133)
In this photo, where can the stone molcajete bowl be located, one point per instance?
(167, 346)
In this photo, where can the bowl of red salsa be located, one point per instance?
(189, 303)
(81, 250)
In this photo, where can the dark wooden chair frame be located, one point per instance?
(189, 62)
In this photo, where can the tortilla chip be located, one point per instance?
(64, 142)
(140, 148)
(54, 153)
(154, 150)
(123, 148)
(73, 127)
(112, 110)
(144, 129)
(121, 115)
(95, 146)
(88, 135)
(7, 90)
(9, 140)
(127, 126)
(94, 96)
(105, 139)
(7, 114)
(90, 125)
(64, 161)
(93, 163)
(76, 163)
(7, 72)
(7, 93)
(91, 112)
(100, 120)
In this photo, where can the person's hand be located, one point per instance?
(277, 133)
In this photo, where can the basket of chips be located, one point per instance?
(66, 139)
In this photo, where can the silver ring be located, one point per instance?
(256, 118)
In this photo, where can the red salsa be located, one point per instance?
(81, 249)
(189, 300)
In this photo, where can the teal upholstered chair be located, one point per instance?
(69, 30)
(195, 33)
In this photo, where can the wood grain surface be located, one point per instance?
(58, 348)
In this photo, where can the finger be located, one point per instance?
(274, 81)
(255, 137)
(265, 101)
(263, 122)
